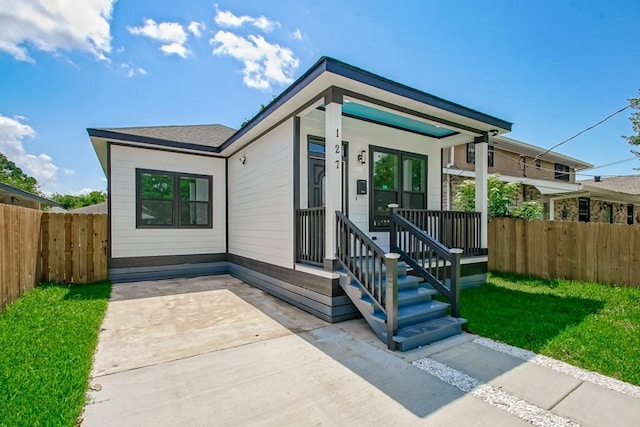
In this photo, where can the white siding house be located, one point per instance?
(260, 202)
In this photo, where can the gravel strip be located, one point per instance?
(493, 396)
(565, 368)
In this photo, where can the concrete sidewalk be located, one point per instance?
(215, 351)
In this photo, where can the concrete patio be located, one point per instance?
(215, 351)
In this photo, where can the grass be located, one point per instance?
(594, 326)
(47, 339)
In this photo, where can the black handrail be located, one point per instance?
(454, 229)
(310, 232)
(362, 258)
(428, 257)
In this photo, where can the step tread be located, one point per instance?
(404, 294)
(428, 327)
(413, 310)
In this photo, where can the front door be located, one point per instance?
(317, 190)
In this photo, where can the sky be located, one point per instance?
(551, 67)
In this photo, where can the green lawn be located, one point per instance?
(47, 339)
(594, 326)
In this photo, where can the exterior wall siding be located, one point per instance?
(261, 199)
(127, 240)
(360, 136)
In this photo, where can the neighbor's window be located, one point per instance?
(171, 199)
(471, 154)
(562, 172)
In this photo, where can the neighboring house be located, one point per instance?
(612, 199)
(98, 208)
(14, 196)
(548, 178)
(259, 202)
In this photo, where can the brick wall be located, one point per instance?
(567, 210)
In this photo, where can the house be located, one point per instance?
(611, 199)
(98, 208)
(296, 202)
(10, 195)
(547, 177)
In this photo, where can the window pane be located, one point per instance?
(414, 175)
(194, 189)
(381, 200)
(194, 213)
(156, 186)
(315, 147)
(385, 171)
(157, 212)
(413, 200)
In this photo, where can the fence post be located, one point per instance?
(391, 298)
(454, 287)
(393, 207)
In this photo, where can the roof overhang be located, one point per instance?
(7, 191)
(329, 76)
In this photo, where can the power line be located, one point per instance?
(612, 163)
(582, 131)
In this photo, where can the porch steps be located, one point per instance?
(421, 320)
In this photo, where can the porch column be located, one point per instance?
(482, 193)
(552, 210)
(333, 173)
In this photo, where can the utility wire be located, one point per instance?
(582, 131)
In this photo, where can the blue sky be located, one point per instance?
(552, 68)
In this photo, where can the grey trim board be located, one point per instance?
(164, 260)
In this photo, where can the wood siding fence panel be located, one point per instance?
(605, 253)
(38, 246)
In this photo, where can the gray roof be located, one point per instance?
(629, 184)
(207, 135)
(98, 208)
(7, 190)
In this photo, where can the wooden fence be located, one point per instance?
(39, 246)
(605, 253)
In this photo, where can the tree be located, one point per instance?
(14, 176)
(70, 201)
(635, 123)
(502, 199)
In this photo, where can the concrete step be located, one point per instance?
(428, 332)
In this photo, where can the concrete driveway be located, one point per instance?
(215, 351)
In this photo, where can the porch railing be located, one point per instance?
(436, 263)
(310, 226)
(454, 229)
(375, 270)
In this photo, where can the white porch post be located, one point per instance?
(333, 173)
(482, 172)
(552, 210)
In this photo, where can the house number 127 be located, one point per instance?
(337, 152)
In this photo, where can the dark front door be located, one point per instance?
(317, 189)
(316, 182)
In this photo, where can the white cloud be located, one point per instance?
(296, 35)
(68, 171)
(264, 63)
(84, 191)
(54, 25)
(132, 70)
(228, 19)
(171, 34)
(12, 134)
(196, 28)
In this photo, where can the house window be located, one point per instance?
(608, 211)
(562, 172)
(630, 214)
(397, 177)
(538, 164)
(471, 154)
(584, 209)
(172, 200)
